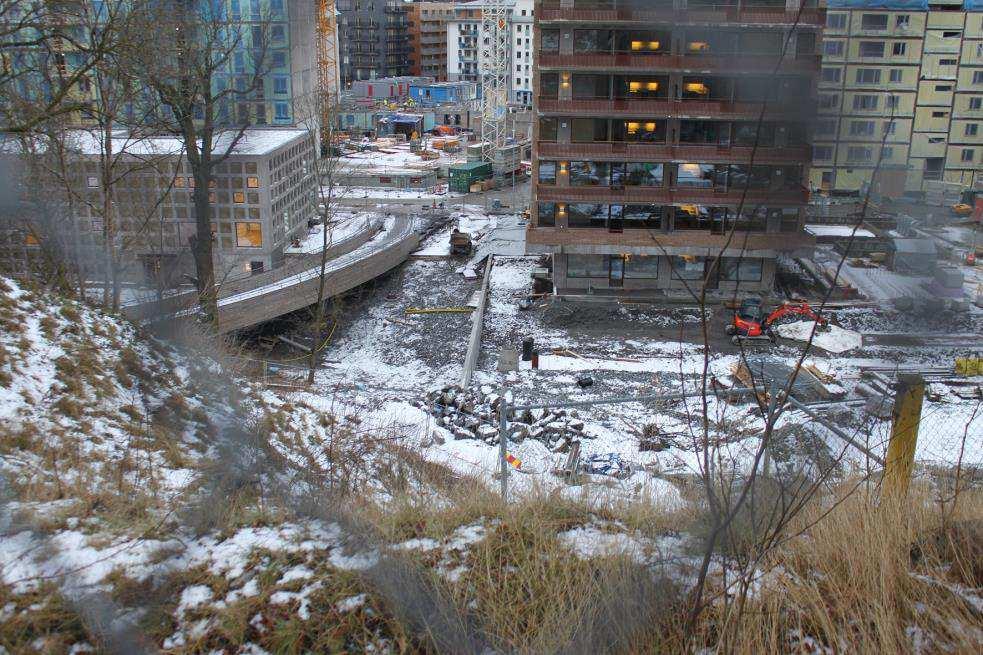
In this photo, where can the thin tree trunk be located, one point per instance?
(204, 263)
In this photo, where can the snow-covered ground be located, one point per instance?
(393, 359)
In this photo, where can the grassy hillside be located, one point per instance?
(154, 501)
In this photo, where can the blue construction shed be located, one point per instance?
(442, 93)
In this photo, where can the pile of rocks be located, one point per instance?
(473, 414)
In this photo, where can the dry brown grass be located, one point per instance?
(870, 577)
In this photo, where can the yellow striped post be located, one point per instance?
(906, 416)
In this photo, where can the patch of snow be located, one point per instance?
(835, 339)
(588, 541)
(194, 596)
(351, 603)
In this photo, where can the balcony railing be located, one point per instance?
(736, 62)
(756, 12)
(709, 153)
(634, 108)
(671, 195)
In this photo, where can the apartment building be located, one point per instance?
(464, 47)
(264, 195)
(901, 93)
(374, 39)
(428, 38)
(646, 120)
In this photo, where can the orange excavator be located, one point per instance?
(750, 323)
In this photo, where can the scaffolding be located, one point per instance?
(327, 68)
(494, 71)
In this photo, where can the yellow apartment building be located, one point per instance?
(900, 93)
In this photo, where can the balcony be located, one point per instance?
(610, 12)
(548, 236)
(649, 63)
(670, 195)
(709, 153)
(723, 109)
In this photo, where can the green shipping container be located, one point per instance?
(462, 176)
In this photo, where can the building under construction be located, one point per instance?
(672, 143)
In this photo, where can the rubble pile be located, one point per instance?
(473, 414)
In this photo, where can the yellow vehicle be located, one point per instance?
(962, 209)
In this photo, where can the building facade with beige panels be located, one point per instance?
(900, 93)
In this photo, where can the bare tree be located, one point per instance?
(188, 59)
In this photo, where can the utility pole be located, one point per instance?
(503, 409)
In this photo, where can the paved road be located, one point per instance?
(517, 200)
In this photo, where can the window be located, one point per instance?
(740, 269)
(687, 267)
(864, 102)
(280, 85)
(822, 153)
(249, 235)
(947, 62)
(940, 114)
(951, 35)
(239, 197)
(642, 267)
(977, 77)
(587, 266)
(936, 139)
(972, 129)
(943, 87)
(550, 40)
(695, 175)
(889, 127)
(892, 102)
(642, 174)
(642, 216)
(252, 182)
(902, 20)
(871, 48)
(887, 152)
(975, 102)
(868, 76)
(899, 48)
(831, 74)
(282, 110)
(828, 100)
(967, 154)
(547, 172)
(896, 74)
(858, 153)
(861, 128)
(547, 129)
(836, 21)
(93, 182)
(546, 217)
(588, 130)
(833, 48)
(873, 21)
(590, 173)
(825, 127)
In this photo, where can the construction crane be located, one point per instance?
(494, 71)
(327, 69)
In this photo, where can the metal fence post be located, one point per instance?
(503, 409)
(904, 435)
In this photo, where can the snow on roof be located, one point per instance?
(915, 246)
(255, 142)
(838, 231)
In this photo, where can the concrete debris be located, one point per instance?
(473, 414)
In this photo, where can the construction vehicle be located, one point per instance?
(750, 324)
(460, 243)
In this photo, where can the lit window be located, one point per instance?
(30, 240)
(698, 88)
(239, 197)
(634, 87)
(249, 235)
(697, 46)
(652, 86)
(252, 182)
(179, 182)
